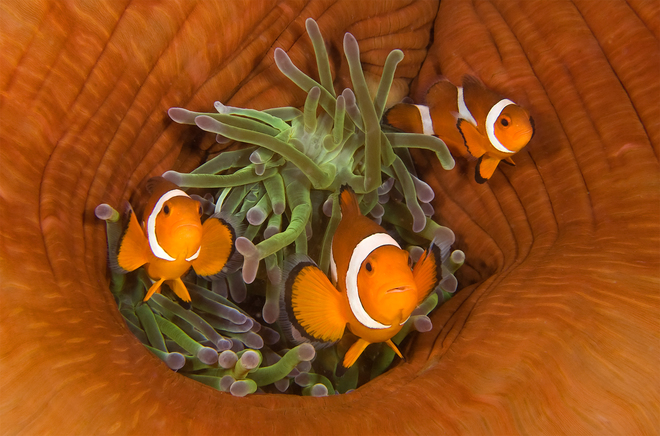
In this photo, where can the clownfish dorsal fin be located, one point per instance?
(485, 168)
(405, 117)
(427, 272)
(134, 248)
(471, 137)
(311, 308)
(478, 99)
(348, 201)
(217, 247)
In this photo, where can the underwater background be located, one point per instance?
(556, 327)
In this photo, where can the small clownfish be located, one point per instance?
(378, 287)
(172, 238)
(471, 120)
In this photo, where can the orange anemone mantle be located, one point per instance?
(557, 329)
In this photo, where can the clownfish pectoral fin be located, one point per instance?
(217, 247)
(509, 161)
(405, 117)
(427, 272)
(471, 137)
(485, 168)
(395, 348)
(179, 289)
(310, 307)
(354, 352)
(133, 245)
(155, 287)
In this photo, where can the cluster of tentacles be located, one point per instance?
(282, 182)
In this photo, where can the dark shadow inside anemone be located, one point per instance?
(558, 330)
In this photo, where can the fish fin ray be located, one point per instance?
(471, 137)
(485, 168)
(133, 245)
(427, 272)
(311, 308)
(217, 248)
(354, 352)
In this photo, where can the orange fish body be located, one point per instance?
(375, 288)
(471, 120)
(172, 238)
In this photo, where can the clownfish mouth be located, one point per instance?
(398, 290)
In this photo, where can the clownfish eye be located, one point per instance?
(505, 121)
(369, 267)
(166, 209)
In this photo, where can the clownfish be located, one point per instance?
(172, 238)
(376, 288)
(471, 120)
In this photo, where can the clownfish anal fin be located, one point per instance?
(354, 352)
(485, 168)
(471, 137)
(509, 161)
(427, 272)
(133, 245)
(311, 307)
(217, 247)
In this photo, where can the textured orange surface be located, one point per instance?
(558, 329)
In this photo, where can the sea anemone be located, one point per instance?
(555, 329)
(285, 185)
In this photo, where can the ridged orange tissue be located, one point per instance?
(556, 330)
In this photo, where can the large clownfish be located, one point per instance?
(172, 238)
(378, 287)
(471, 120)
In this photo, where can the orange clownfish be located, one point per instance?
(172, 238)
(471, 120)
(376, 287)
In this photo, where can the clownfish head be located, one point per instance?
(513, 127)
(174, 225)
(386, 285)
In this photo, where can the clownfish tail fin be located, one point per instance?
(133, 245)
(310, 307)
(348, 201)
(404, 117)
(427, 272)
(217, 253)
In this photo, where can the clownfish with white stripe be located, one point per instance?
(471, 120)
(172, 238)
(376, 288)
